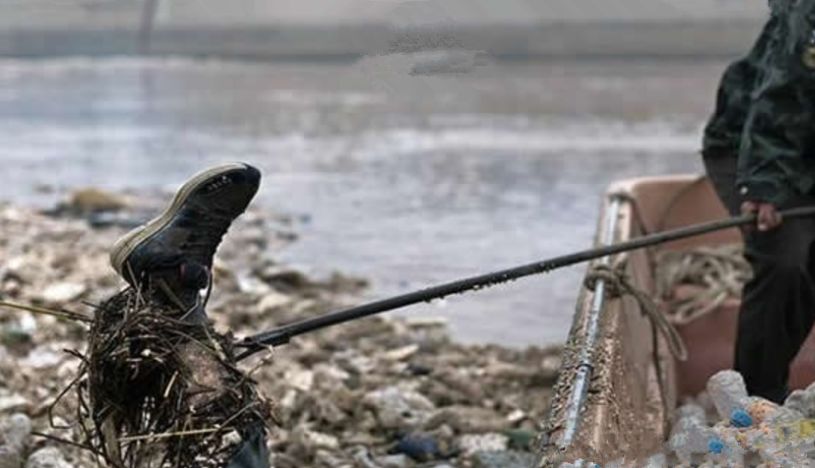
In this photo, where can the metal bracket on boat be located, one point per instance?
(585, 367)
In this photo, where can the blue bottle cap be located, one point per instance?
(740, 418)
(715, 445)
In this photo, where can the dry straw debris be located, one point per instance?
(161, 391)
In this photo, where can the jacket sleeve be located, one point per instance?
(778, 131)
(771, 165)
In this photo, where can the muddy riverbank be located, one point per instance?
(374, 393)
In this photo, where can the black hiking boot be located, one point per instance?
(174, 251)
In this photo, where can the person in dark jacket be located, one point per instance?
(759, 152)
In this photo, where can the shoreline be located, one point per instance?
(532, 41)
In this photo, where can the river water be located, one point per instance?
(405, 180)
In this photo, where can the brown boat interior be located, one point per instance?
(636, 382)
(710, 339)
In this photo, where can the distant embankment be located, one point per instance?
(600, 39)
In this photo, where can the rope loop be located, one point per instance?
(617, 285)
(614, 279)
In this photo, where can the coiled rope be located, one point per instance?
(716, 273)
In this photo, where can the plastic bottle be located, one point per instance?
(729, 396)
(728, 392)
(690, 436)
(802, 401)
(725, 452)
(781, 416)
(656, 461)
(691, 411)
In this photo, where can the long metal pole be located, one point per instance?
(282, 335)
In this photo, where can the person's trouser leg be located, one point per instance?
(778, 305)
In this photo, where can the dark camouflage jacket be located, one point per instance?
(765, 108)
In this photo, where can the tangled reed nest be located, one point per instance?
(157, 391)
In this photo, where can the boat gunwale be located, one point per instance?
(564, 419)
(580, 386)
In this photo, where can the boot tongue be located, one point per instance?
(193, 275)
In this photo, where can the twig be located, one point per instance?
(66, 442)
(167, 435)
(170, 385)
(265, 360)
(240, 412)
(66, 314)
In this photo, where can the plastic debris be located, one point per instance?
(728, 392)
(750, 431)
(691, 436)
(419, 447)
(802, 401)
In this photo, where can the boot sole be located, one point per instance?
(134, 239)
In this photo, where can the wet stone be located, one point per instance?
(15, 430)
(49, 457)
(474, 443)
(469, 419)
(520, 439)
(62, 292)
(329, 459)
(397, 408)
(93, 199)
(393, 461)
(10, 457)
(419, 447)
(13, 402)
(503, 459)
